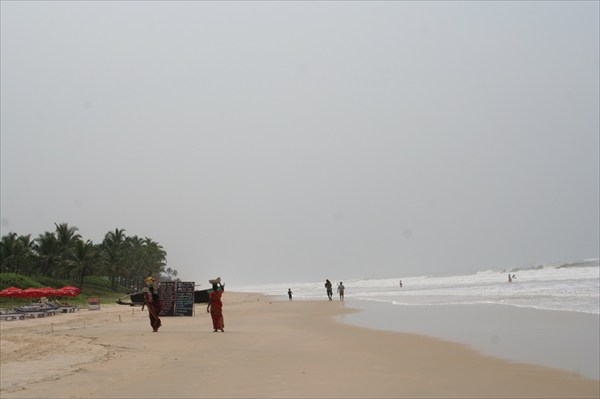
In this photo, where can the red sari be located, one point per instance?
(154, 309)
(216, 310)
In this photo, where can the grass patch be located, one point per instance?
(93, 287)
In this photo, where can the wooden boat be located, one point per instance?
(137, 298)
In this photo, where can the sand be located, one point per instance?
(559, 339)
(275, 349)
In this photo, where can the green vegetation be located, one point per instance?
(17, 280)
(110, 269)
(94, 287)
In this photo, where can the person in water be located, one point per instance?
(290, 293)
(329, 289)
(215, 306)
(340, 290)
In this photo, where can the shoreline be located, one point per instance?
(270, 348)
(551, 338)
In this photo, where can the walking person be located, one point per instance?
(340, 290)
(215, 305)
(152, 302)
(329, 289)
(290, 293)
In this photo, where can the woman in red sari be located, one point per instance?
(152, 301)
(215, 307)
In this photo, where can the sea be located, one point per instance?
(572, 286)
(547, 315)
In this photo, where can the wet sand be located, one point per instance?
(270, 348)
(561, 339)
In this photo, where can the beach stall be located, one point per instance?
(93, 303)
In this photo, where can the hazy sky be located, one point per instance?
(298, 141)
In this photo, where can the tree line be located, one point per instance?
(64, 254)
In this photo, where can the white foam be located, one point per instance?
(575, 288)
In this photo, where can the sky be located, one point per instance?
(298, 141)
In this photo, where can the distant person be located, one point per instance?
(290, 293)
(329, 289)
(152, 301)
(509, 278)
(340, 290)
(400, 283)
(45, 303)
(215, 305)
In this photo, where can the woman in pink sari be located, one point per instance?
(215, 307)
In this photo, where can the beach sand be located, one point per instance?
(558, 339)
(270, 348)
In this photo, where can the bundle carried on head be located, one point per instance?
(152, 282)
(215, 281)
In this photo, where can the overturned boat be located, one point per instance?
(137, 298)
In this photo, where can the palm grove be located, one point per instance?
(64, 254)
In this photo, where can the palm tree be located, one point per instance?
(156, 256)
(114, 255)
(169, 273)
(66, 234)
(67, 237)
(83, 259)
(16, 254)
(64, 254)
(47, 248)
(135, 261)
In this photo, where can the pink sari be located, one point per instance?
(154, 309)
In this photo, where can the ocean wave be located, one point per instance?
(572, 286)
(595, 262)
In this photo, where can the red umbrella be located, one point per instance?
(10, 292)
(48, 291)
(31, 293)
(67, 291)
(71, 288)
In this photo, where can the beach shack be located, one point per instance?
(93, 303)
